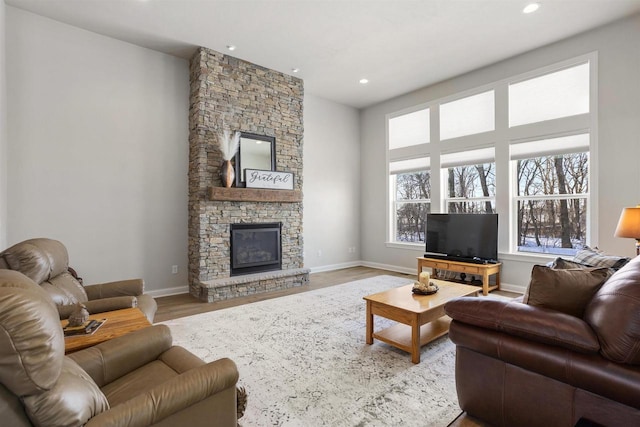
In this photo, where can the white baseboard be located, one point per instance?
(512, 288)
(170, 291)
(333, 267)
(406, 270)
(397, 269)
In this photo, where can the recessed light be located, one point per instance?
(531, 7)
(295, 70)
(231, 47)
(364, 81)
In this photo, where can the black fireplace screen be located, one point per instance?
(255, 248)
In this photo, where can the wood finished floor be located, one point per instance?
(176, 306)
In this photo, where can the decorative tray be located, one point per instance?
(419, 292)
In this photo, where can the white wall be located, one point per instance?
(331, 184)
(99, 157)
(3, 130)
(618, 136)
(98, 150)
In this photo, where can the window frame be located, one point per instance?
(446, 199)
(501, 138)
(475, 156)
(462, 98)
(407, 112)
(515, 198)
(527, 77)
(394, 208)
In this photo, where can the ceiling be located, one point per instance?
(398, 45)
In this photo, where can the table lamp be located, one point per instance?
(629, 225)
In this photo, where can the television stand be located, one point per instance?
(484, 270)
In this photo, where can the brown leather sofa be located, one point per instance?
(138, 379)
(46, 262)
(523, 365)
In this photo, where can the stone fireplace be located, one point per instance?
(253, 99)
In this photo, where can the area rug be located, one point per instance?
(304, 362)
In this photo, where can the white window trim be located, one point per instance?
(418, 247)
(540, 197)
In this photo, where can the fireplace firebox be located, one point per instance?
(255, 247)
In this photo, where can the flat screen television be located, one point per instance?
(463, 237)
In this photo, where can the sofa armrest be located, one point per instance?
(534, 323)
(132, 287)
(173, 396)
(99, 305)
(112, 359)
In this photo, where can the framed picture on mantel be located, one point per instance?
(255, 178)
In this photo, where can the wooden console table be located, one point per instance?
(484, 270)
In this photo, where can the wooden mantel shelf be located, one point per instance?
(234, 194)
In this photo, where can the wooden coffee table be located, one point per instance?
(421, 318)
(119, 322)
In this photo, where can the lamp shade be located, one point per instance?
(629, 223)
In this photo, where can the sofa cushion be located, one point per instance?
(74, 399)
(55, 252)
(614, 314)
(568, 291)
(39, 259)
(595, 258)
(563, 264)
(29, 260)
(138, 381)
(31, 339)
(64, 289)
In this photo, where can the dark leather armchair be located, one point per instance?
(135, 380)
(524, 365)
(46, 262)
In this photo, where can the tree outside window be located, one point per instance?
(411, 205)
(471, 188)
(552, 203)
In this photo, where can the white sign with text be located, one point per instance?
(268, 179)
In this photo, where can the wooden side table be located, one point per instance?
(484, 270)
(119, 322)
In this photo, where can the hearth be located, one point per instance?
(255, 247)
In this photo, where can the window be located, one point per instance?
(409, 129)
(410, 185)
(468, 116)
(560, 94)
(521, 147)
(552, 194)
(470, 180)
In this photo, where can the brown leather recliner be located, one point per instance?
(46, 262)
(522, 365)
(138, 379)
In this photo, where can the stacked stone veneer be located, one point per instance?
(253, 99)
